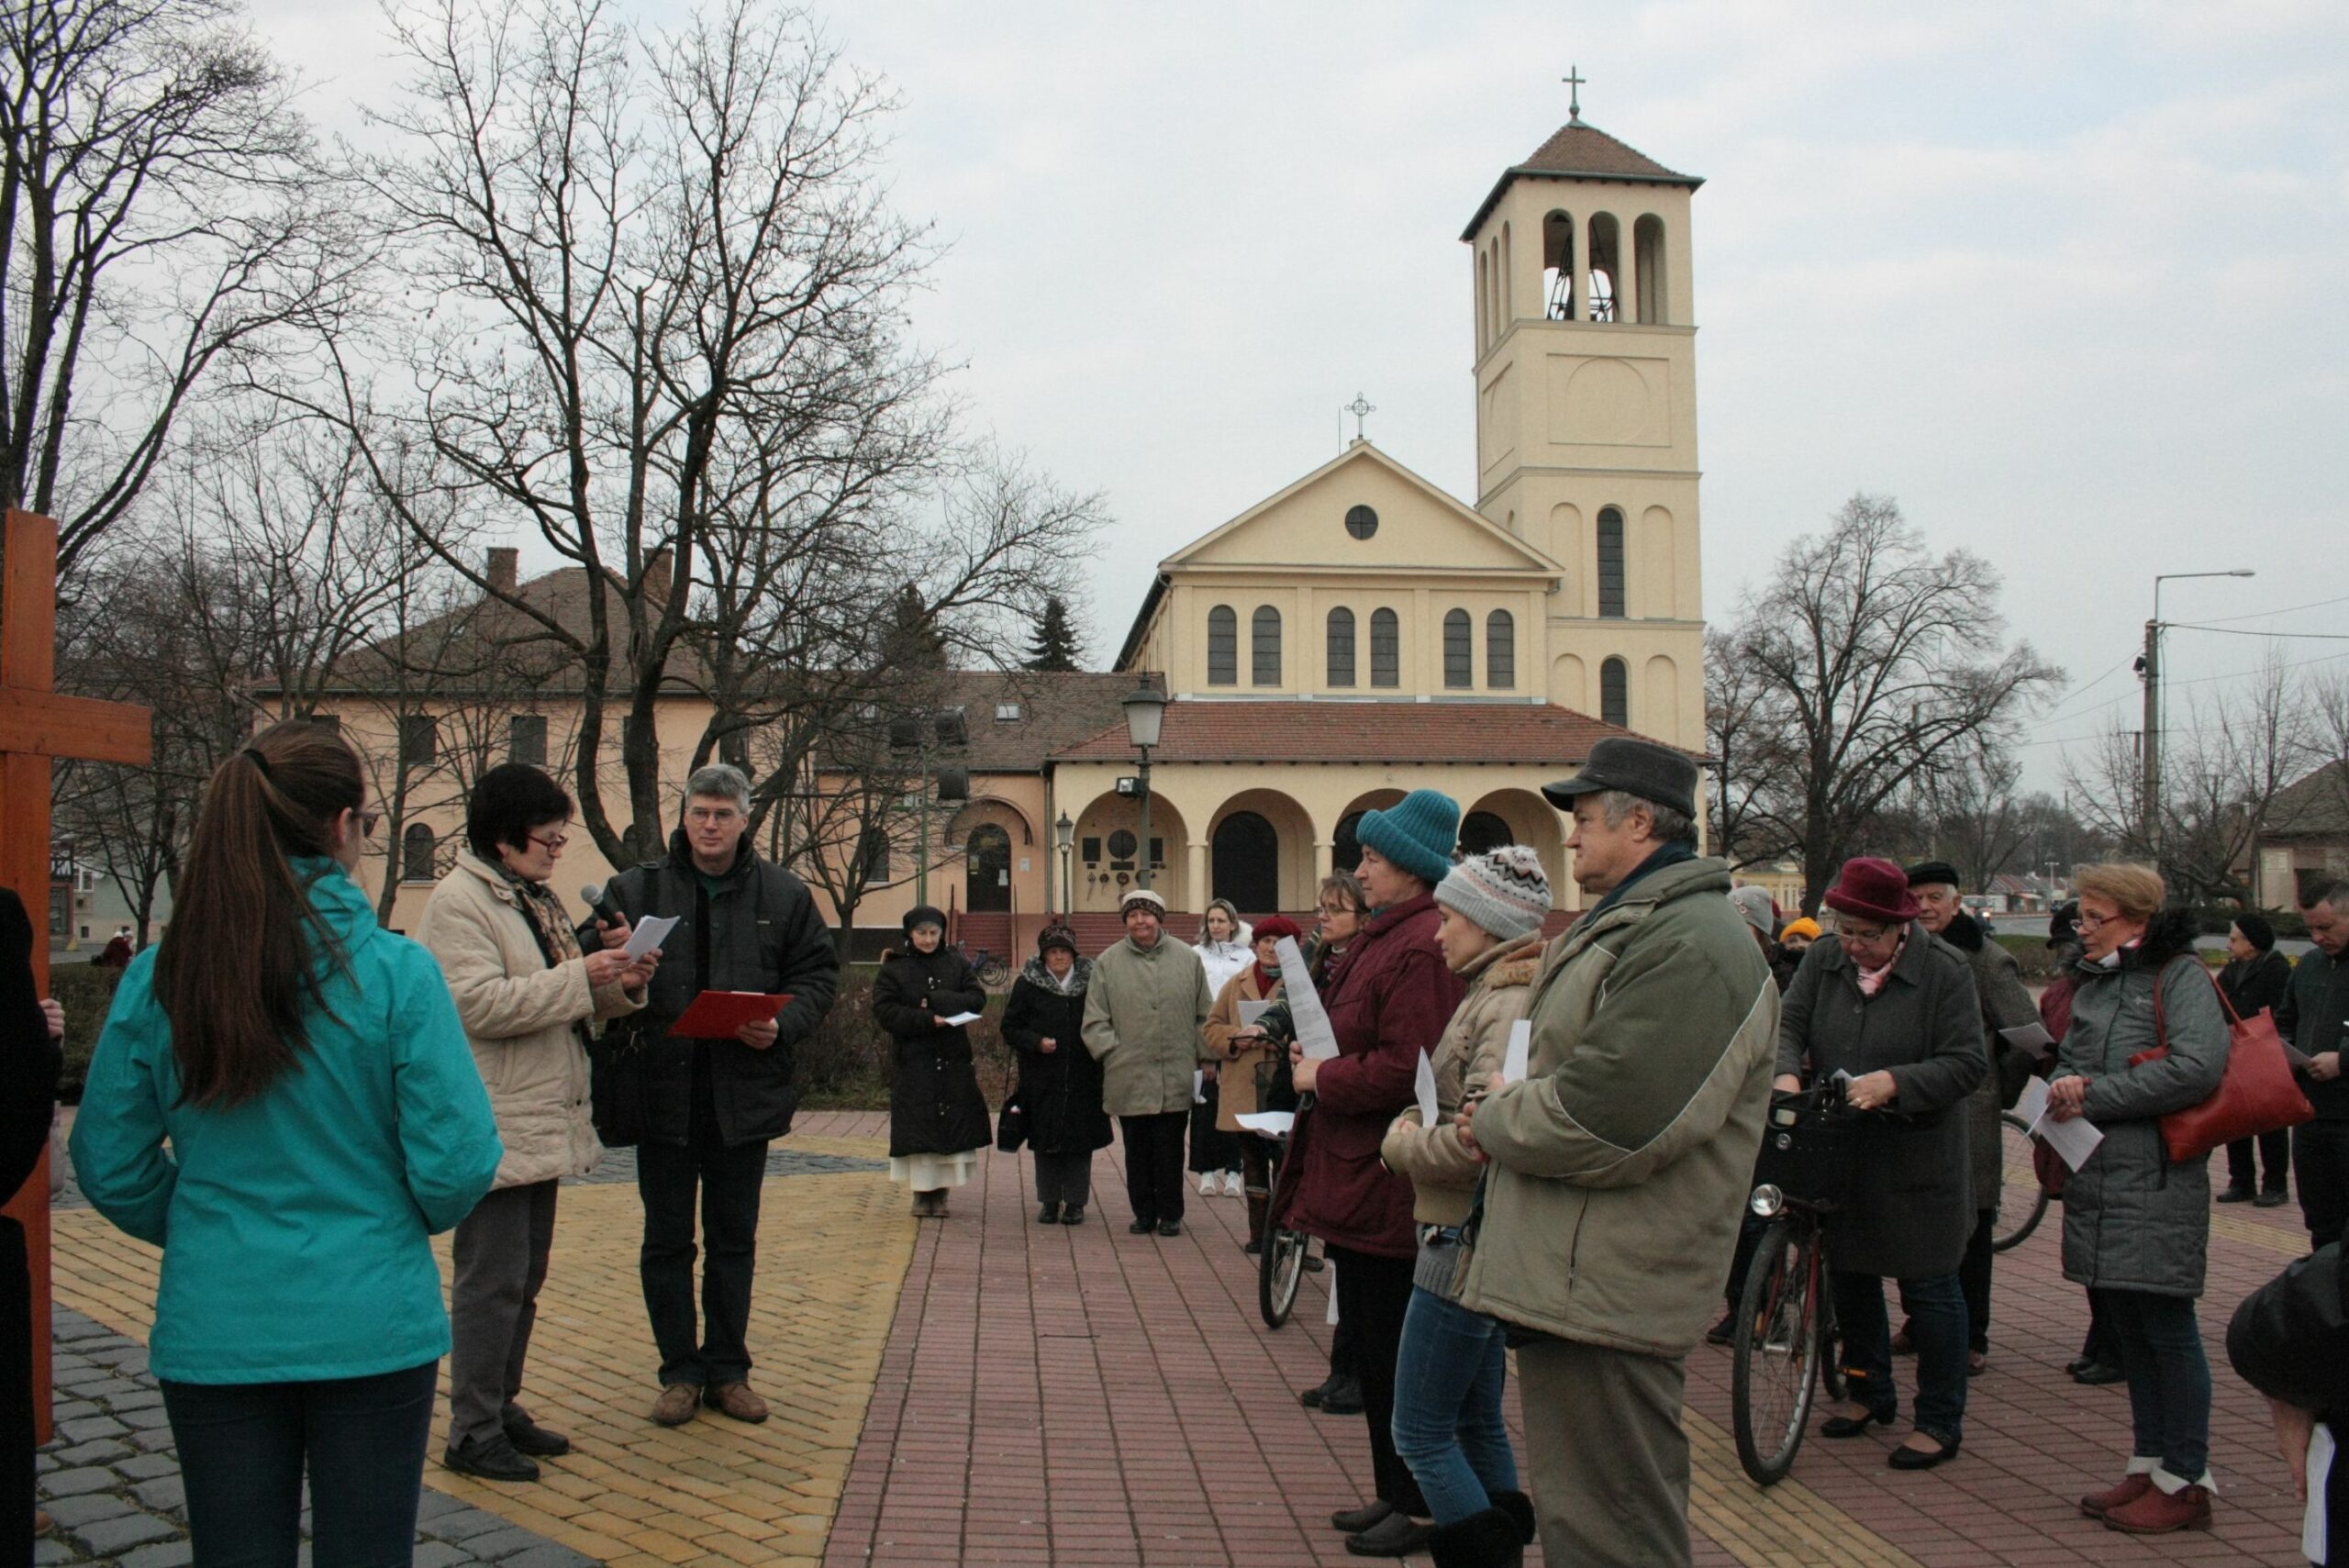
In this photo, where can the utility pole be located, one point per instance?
(2152, 745)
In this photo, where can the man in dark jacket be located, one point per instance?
(2255, 978)
(2311, 1016)
(712, 1105)
(29, 1062)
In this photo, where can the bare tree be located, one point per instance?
(1974, 816)
(1745, 730)
(1878, 662)
(161, 212)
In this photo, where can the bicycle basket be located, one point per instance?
(1808, 1151)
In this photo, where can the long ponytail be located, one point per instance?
(236, 971)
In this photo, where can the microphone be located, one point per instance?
(598, 899)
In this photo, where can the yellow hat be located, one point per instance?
(1806, 927)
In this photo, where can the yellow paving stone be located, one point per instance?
(833, 1249)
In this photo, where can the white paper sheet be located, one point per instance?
(959, 1019)
(2033, 1038)
(1305, 1009)
(1431, 1108)
(2075, 1141)
(1199, 1086)
(1520, 1052)
(1273, 1124)
(1331, 1316)
(1253, 1013)
(2314, 1525)
(646, 934)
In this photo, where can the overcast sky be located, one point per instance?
(2066, 279)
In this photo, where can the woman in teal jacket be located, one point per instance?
(324, 1119)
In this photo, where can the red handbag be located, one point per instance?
(2256, 1095)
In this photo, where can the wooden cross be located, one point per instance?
(37, 725)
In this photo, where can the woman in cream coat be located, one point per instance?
(526, 995)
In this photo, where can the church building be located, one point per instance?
(1363, 633)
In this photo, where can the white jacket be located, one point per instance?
(519, 1016)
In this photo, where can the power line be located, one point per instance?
(2270, 614)
(2244, 631)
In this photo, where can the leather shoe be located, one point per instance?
(1906, 1458)
(2159, 1512)
(1170, 1228)
(2275, 1198)
(492, 1460)
(2098, 1374)
(1253, 1249)
(2237, 1195)
(1853, 1426)
(2096, 1505)
(1396, 1534)
(1354, 1521)
(528, 1437)
(1723, 1332)
(677, 1403)
(1073, 1215)
(1311, 1399)
(1345, 1399)
(1141, 1228)
(1977, 1362)
(1048, 1214)
(735, 1399)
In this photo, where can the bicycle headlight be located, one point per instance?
(1766, 1201)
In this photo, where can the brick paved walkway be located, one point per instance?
(1051, 1397)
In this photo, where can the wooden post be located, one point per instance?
(37, 726)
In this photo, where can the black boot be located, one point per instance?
(1488, 1539)
(1519, 1508)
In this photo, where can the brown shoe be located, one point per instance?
(676, 1405)
(42, 1523)
(2096, 1505)
(735, 1399)
(2159, 1512)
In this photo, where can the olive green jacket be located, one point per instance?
(1145, 1021)
(1619, 1167)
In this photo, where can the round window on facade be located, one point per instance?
(1362, 522)
(1122, 845)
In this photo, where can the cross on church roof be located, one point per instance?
(1360, 407)
(1574, 80)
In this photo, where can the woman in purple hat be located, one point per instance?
(1884, 1000)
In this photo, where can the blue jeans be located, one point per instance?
(243, 1447)
(1937, 1323)
(1448, 1375)
(2160, 1341)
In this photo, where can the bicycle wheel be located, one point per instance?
(1773, 1372)
(992, 971)
(2023, 1203)
(1278, 1269)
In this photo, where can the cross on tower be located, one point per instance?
(1574, 79)
(1360, 407)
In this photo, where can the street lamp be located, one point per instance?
(2149, 665)
(1145, 709)
(1065, 835)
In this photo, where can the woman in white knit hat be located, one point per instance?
(1451, 1371)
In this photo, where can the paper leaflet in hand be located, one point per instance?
(2075, 1139)
(1305, 1009)
(1253, 1013)
(647, 933)
(2033, 1038)
(1430, 1109)
(1272, 1124)
(1199, 1086)
(959, 1019)
(1520, 1052)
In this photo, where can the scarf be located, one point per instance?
(550, 923)
(1267, 977)
(1872, 980)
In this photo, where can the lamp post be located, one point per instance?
(1145, 709)
(1065, 835)
(2149, 665)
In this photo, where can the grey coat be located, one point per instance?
(1145, 1021)
(2131, 1219)
(1912, 1204)
(2006, 1004)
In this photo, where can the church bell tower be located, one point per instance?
(1585, 355)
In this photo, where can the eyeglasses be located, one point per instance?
(1337, 908)
(553, 843)
(720, 817)
(2088, 922)
(1853, 932)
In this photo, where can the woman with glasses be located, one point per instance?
(2136, 1226)
(1892, 1007)
(527, 995)
(323, 1117)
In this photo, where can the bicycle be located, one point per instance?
(1784, 1343)
(1285, 1255)
(2016, 1220)
(991, 971)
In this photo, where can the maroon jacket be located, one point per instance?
(1388, 1000)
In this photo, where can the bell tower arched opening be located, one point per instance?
(1558, 266)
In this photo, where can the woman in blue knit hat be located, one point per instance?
(1388, 999)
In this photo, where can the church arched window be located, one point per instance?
(1606, 266)
(1648, 237)
(1611, 563)
(1558, 266)
(1386, 649)
(1459, 650)
(418, 849)
(1341, 647)
(1224, 647)
(1615, 693)
(1264, 646)
(1500, 650)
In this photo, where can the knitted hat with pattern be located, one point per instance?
(1504, 891)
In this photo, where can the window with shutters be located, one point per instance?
(1500, 650)
(1264, 646)
(1459, 650)
(1224, 647)
(1341, 647)
(1386, 649)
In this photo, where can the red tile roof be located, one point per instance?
(1358, 732)
(1578, 151)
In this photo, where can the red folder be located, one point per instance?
(717, 1015)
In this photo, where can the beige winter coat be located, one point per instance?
(520, 1016)
(1237, 1074)
(1474, 1043)
(1145, 1016)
